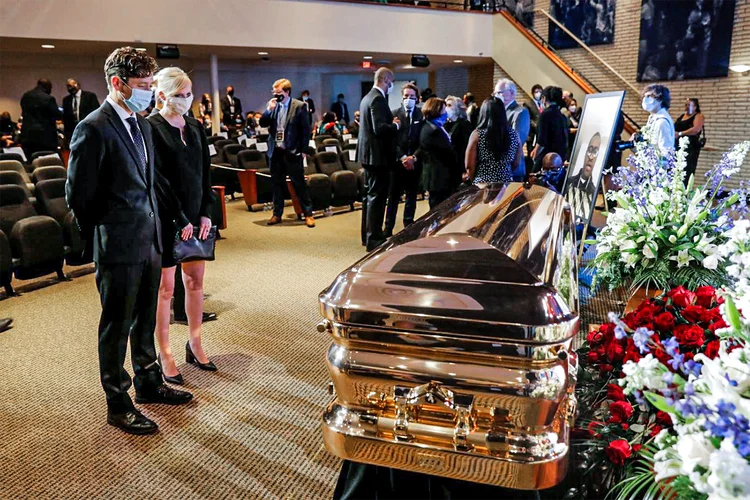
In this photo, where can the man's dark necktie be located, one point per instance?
(138, 141)
(75, 107)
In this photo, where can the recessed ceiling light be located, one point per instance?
(262, 53)
(140, 49)
(458, 61)
(367, 57)
(407, 66)
(740, 68)
(47, 46)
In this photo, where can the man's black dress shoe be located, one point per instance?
(132, 422)
(206, 317)
(163, 395)
(5, 323)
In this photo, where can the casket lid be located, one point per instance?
(480, 265)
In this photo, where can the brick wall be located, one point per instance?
(724, 101)
(451, 81)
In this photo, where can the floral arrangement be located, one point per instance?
(667, 231)
(652, 349)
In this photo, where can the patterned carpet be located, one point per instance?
(252, 430)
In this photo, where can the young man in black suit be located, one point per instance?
(288, 125)
(376, 151)
(231, 108)
(110, 189)
(39, 110)
(77, 105)
(406, 171)
(309, 104)
(341, 109)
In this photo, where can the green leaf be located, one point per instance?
(659, 402)
(733, 314)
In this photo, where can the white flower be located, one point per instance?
(694, 450)
(648, 252)
(683, 258)
(646, 374)
(711, 262)
(673, 239)
(729, 474)
(666, 465)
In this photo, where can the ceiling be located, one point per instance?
(200, 54)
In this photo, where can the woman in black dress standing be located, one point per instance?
(690, 125)
(441, 172)
(185, 197)
(552, 128)
(458, 126)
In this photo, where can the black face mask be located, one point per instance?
(279, 97)
(230, 93)
(72, 90)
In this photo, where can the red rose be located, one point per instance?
(618, 451)
(711, 350)
(689, 336)
(661, 354)
(637, 447)
(625, 426)
(705, 296)
(681, 296)
(605, 369)
(646, 313)
(655, 430)
(712, 315)
(720, 323)
(615, 351)
(694, 314)
(663, 419)
(593, 427)
(620, 411)
(615, 393)
(664, 322)
(631, 319)
(631, 352)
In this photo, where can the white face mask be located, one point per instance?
(650, 104)
(452, 113)
(572, 109)
(390, 88)
(537, 96)
(410, 103)
(179, 105)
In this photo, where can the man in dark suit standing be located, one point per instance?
(341, 109)
(309, 104)
(231, 108)
(376, 151)
(535, 109)
(518, 118)
(77, 105)
(110, 189)
(406, 171)
(288, 125)
(39, 110)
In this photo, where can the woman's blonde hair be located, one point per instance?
(458, 103)
(170, 80)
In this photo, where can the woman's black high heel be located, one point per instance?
(177, 379)
(190, 358)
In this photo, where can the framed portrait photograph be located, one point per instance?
(591, 151)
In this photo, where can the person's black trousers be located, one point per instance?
(691, 162)
(283, 164)
(402, 180)
(178, 304)
(377, 180)
(437, 197)
(128, 295)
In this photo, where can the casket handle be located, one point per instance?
(324, 326)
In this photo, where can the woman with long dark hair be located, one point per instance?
(494, 147)
(690, 125)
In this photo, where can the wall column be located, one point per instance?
(216, 113)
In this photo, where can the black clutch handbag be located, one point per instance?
(195, 249)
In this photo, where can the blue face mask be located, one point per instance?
(139, 99)
(440, 120)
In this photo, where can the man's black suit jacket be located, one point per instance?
(296, 131)
(376, 144)
(89, 103)
(39, 110)
(407, 137)
(310, 104)
(342, 112)
(111, 196)
(227, 117)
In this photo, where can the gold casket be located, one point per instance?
(451, 350)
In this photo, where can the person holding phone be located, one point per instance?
(185, 197)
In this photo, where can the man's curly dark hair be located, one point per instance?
(126, 62)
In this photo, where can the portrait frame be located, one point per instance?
(599, 117)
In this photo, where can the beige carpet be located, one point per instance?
(253, 429)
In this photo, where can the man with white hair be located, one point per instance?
(518, 117)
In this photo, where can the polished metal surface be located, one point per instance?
(451, 343)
